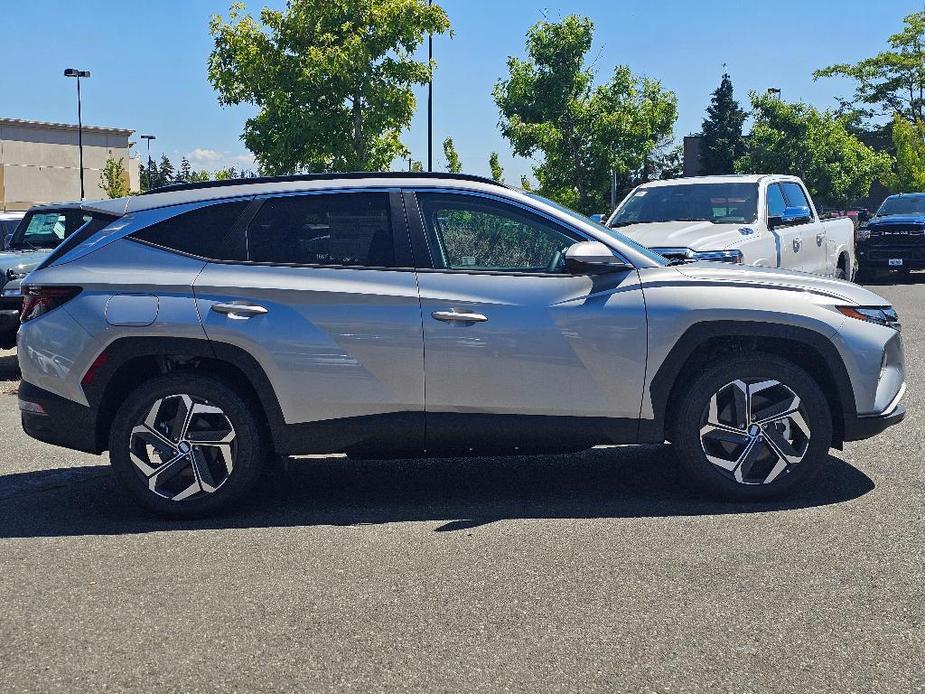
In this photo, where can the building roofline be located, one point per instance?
(352, 175)
(42, 125)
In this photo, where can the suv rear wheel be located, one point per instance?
(186, 444)
(753, 427)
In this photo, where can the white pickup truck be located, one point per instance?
(768, 221)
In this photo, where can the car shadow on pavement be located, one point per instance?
(460, 494)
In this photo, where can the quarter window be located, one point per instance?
(203, 232)
(471, 233)
(345, 229)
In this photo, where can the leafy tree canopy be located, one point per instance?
(797, 139)
(114, 178)
(332, 79)
(497, 171)
(892, 81)
(453, 163)
(722, 143)
(550, 106)
(909, 171)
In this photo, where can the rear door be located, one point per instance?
(326, 301)
(815, 252)
(788, 239)
(521, 354)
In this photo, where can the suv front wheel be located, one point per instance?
(186, 444)
(753, 427)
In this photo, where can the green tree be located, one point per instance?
(332, 79)
(417, 166)
(184, 171)
(550, 106)
(200, 176)
(165, 172)
(453, 164)
(149, 175)
(722, 141)
(892, 81)
(525, 183)
(909, 170)
(494, 163)
(114, 177)
(816, 146)
(226, 174)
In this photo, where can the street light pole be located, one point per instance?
(430, 99)
(74, 72)
(148, 164)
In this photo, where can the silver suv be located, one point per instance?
(195, 331)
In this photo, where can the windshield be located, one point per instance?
(719, 203)
(652, 255)
(46, 229)
(902, 204)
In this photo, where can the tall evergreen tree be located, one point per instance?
(185, 172)
(722, 141)
(165, 173)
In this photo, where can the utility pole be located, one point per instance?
(148, 165)
(74, 72)
(430, 99)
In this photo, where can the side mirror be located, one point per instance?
(791, 216)
(587, 257)
(599, 218)
(863, 216)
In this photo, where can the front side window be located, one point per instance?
(776, 202)
(340, 229)
(795, 195)
(47, 229)
(468, 232)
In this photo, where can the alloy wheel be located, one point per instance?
(184, 448)
(754, 430)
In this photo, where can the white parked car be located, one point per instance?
(769, 221)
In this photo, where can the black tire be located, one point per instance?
(249, 452)
(691, 413)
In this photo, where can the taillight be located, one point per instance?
(37, 301)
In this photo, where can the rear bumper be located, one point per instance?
(859, 428)
(65, 423)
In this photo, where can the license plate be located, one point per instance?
(896, 262)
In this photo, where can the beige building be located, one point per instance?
(39, 161)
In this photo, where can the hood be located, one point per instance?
(698, 236)
(20, 260)
(897, 219)
(771, 278)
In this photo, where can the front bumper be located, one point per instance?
(64, 422)
(859, 428)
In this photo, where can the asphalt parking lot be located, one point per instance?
(599, 571)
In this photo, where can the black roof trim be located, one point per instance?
(352, 175)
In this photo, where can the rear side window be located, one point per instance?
(204, 232)
(340, 229)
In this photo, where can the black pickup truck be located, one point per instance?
(894, 238)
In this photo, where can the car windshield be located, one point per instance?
(719, 203)
(902, 204)
(46, 229)
(622, 238)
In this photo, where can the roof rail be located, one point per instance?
(323, 177)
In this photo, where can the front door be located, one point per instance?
(518, 352)
(816, 256)
(789, 239)
(329, 308)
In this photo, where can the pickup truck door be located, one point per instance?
(814, 249)
(788, 238)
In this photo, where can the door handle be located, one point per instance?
(240, 311)
(797, 244)
(458, 317)
(820, 237)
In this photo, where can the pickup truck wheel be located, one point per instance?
(753, 427)
(186, 445)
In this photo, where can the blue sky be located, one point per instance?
(148, 59)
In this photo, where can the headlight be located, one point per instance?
(732, 256)
(881, 315)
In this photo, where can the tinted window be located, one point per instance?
(352, 229)
(776, 202)
(471, 233)
(720, 203)
(902, 204)
(48, 228)
(795, 195)
(203, 232)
